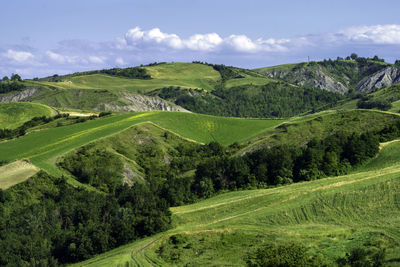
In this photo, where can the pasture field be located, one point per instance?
(16, 172)
(13, 114)
(248, 80)
(43, 147)
(186, 75)
(329, 217)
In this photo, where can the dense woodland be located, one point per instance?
(270, 100)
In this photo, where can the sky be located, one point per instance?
(45, 37)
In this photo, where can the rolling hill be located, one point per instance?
(330, 216)
(361, 74)
(188, 189)
(13, 115)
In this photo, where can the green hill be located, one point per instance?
(43, 147)
(186, 75)
(330, 216)
(13, 115)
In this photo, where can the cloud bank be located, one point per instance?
(140, 46)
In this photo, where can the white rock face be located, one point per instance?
(135, 102)
(383, 78)
(315, 78)
(19, 96)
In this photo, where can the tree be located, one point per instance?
(5, 78)
(353, 56)
(15, 77)
(397, 63)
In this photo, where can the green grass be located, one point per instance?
(388, 156)
(186, 75)
(42, 148)
(13, 115)
(329, 216)
(300, 130)
(248, 80)
(284, 67)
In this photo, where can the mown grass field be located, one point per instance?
(43, 147)
(13, 115)
(248, 80)
(330, 217)
(186, 75)
(16, 172)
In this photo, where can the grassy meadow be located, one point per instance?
(186, 75)
(43, 147)
(328, 216)
(13, 115)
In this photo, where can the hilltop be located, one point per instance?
(360, 74)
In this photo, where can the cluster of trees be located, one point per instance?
(131, 72)
(46, 221)
(270, 100)
(134, 72)
(283, 255)
(98, 168)
(226, 72)
(370, 103)
(294, 255)
(8, 85)
(284, 164)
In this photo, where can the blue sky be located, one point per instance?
(44, 37)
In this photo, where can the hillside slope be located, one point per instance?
(330, 216)
(363, 75)
(13, 115)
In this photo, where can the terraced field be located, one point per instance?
(13, 115)
(329, 216)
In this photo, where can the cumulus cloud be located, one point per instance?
(208, 42)
(61, 58)
(18, 56)
(139, 46)
(377, 34)
(96, 59)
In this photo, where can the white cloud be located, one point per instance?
(203, 42)
(198, 42)
(377, 34)
(61, 58)
(18, 56)
(136, 36)
(242, 43)
(120, 61)
(96, 59)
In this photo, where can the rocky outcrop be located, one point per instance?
(135, 102)
(306, 77)
(19, 96)
(383, 78)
